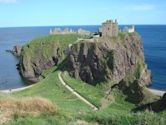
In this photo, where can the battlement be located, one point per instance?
(109, 28)
(110, 22)
(80, 31)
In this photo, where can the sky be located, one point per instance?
(18, 13)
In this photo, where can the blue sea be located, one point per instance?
(153, 37)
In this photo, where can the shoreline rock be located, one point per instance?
(16, 51)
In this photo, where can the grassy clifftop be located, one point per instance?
(43, 53)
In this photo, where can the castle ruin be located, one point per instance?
(59, 31)
(130, 29)
(109, 28)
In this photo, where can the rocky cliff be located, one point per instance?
(43, 53)
(92, 60)
(108, 58)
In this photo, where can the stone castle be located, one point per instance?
(109, 28)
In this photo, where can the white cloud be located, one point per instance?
(8, 1)
(142, 7)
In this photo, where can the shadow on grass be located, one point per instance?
(132, 90)
(156, 106)
(66, 66)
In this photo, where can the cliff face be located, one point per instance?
(32, 67)
(41, 54)
(91, 60)
(108, 59)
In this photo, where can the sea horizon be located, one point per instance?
(81, 25)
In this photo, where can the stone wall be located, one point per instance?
(80, 31)
(109, 28)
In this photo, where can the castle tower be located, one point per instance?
(109, 28)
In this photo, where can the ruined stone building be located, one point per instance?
(130, 29)
(59, 31)
(109, 28)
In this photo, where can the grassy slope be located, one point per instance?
(118, 111)
(94, 94)
(91, 93)
(71, 108)
(51, 88)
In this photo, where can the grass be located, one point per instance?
(35, 104)
(119, 113)
(39, 120)
(92, 93)
(44, 46)
(70, 107)
(52, 89)
(25, 106)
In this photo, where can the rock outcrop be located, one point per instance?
(158, 105)
(42, 54)
(108, 59)
(32, 67)
(16, 51)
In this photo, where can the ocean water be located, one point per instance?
(153, 37)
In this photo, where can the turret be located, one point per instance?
(109, 28)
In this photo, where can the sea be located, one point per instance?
(153, 40)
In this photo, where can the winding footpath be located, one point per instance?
(16, 90)
(75, 93)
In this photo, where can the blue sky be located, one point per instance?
(15, 13)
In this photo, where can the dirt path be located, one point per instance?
(16, 90)
(75, 93)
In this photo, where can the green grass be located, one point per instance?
(93, 94)
(119, 113)
(52, 89)
(71, 108)
(64, 40)
(69, 105)
(40, 120)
